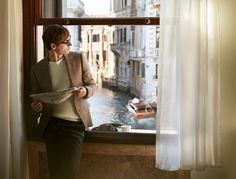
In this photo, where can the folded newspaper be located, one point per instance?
(54, 97)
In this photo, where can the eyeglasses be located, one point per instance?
(67, 42)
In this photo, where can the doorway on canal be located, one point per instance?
(110, 106)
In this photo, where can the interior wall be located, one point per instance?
(228, 94)
(107, 161)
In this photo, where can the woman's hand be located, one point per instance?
(37, 106)
(81, 92)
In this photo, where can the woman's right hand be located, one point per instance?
(37, 106)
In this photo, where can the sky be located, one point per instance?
(95, 7)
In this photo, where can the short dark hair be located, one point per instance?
(53, 34)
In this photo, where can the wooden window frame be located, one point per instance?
(32, 17)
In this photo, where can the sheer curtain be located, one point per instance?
(188, 134)
(13, 148)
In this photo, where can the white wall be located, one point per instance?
(228, 93)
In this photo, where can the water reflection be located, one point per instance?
(109, 106)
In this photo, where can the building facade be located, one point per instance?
(125, 56)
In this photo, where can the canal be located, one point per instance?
(109, 106)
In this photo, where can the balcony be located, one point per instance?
(76, 6)
(117, 48)
(136, 53)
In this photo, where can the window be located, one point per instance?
(104, 38)
(156, 72)
(120, 35)
(95, 37)
(124, 3)
(157, 36)
(138, 68)
(132, 38)
(124, 25)
(104, 55)
(124, 35)
(143, 70)
(97, 57)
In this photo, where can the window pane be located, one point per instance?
(123, 60)
(100, 8)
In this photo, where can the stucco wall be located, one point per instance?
(107, 161)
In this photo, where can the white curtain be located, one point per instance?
(188, 129)
(13, 148)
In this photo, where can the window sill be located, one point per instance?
(134, 136)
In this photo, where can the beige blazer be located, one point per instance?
(80, 75)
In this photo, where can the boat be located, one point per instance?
(140, 109)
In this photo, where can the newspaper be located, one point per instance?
(54, 97)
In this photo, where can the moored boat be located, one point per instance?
(140, 109)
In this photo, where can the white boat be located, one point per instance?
(140, 110)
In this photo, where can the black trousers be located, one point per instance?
(63, 141)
